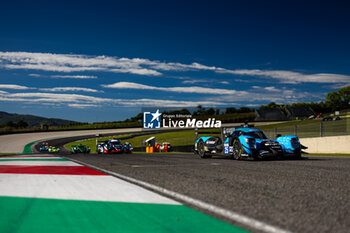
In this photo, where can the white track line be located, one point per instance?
(234, 216)
(78, 187)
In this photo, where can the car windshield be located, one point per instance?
(115, 143)
(256, 134)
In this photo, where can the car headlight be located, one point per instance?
(250, 142)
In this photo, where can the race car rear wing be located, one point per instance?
(197, 132)
(224, 132)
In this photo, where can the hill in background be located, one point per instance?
(33, 120)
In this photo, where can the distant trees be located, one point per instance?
(271, 105)
(335, 100)
(338, 100)
(22, 124)
(206, 112)
(17, 125)
(239, 110)
(245, 110)
(231, 110)
(138, 117)
(210, 112)
(45, 125)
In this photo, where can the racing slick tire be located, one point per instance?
(237, 149)
(201, 150)
(297, 155)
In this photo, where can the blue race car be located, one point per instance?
(250, 143)
(44, 147)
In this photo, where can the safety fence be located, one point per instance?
(318, 128)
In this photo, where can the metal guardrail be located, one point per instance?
(314, 129)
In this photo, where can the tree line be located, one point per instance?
(21, 124)
(335, 101)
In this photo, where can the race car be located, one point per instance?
(44, 147)
(165, 147)
(127, 148)
(110, 146)
(53, 149)
(80, 149)
(249, 143)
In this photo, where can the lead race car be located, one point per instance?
(250, 143)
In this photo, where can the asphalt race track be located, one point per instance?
(308, 195)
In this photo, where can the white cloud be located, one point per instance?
(338, 86)
(57, 89)
(58, 97)
(82, 106)
(50, 67)
(139, 71)
(193, 81)
(291, 77)
(34, 75)
(74, 76)
(193, 89)
(272, 88)
(74, 100)
(74, 63)
(13, 86)
(140, 66)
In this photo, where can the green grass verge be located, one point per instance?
(28, 148)
(7, 153)
(92, 142)
(177, 138)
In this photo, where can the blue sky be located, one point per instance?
(104, 60)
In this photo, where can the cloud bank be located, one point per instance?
(13, 86)
(84, 101)
(193, 89)
(84, 63)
